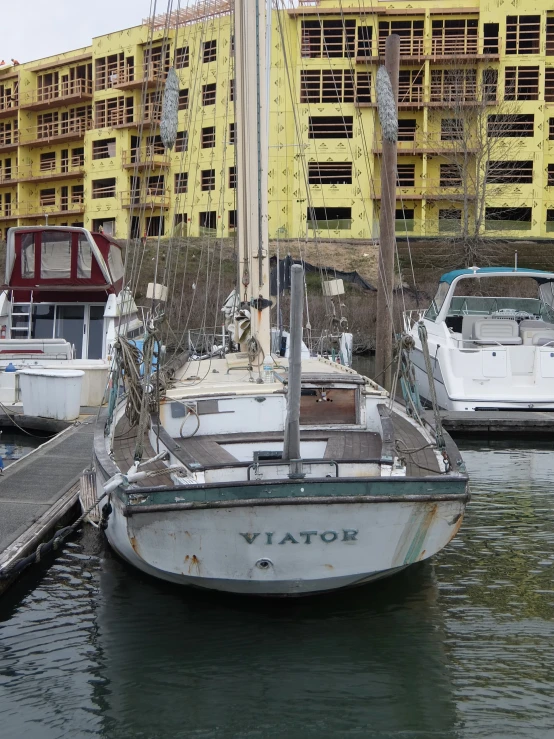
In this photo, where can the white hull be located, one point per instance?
(455, 393)
(269, 550)
(487, 352)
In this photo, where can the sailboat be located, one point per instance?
(259, 474)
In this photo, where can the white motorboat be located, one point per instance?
(488, 350)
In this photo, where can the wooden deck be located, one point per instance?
(206, 451)
(412, 446)
(209, 452)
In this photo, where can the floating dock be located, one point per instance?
(494, 424)
(41, 491)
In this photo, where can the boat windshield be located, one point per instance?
(438, 301)
(502, 297)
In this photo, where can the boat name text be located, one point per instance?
(303, 537)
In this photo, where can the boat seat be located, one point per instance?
(496, 331)
(542, 338)
(468, 323)
(529, 329)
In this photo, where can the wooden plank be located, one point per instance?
(418, 463)
(335, 447)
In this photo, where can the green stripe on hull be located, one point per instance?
(379, 487)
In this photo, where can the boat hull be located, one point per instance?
(290, 546)
(530, 398)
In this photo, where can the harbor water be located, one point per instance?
(456, 648)
(17, 444)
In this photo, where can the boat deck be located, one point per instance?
(202, 452)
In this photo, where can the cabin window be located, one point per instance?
(42, 321)
(95, 331)
(55, 255)
(28, 256)
(115, 263)
(84, 258)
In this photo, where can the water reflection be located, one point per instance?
(346, 666)
(16, 444)
(458, 648)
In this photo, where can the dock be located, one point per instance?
(40, 491)
(494, 424)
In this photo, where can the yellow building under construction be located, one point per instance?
(79, 142)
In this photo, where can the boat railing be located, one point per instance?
(202, 340)
(411, 317)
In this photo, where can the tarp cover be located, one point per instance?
(329, 273)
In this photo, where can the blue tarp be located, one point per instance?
(451, 276)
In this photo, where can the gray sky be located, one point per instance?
(32, 29)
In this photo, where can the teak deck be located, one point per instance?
(208, 452)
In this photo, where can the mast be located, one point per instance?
(387, 241)
(291, 446)
(252, 160)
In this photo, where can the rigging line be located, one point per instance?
(409, 250)
(222, 189)
(195, 45)
(186, 155)
(381, 272)
(208, 249)
(223, 180)
(146, 65)
(292, 91)
(206, 246)
(155, 101)
(128, 249)
(354, 78)
(365, 147)
(338, 95)
(128, 280)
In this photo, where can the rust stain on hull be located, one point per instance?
(457, 526)
(413, 537)
(193, 564)
(134, 544)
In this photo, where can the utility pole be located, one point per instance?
(387, 241)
